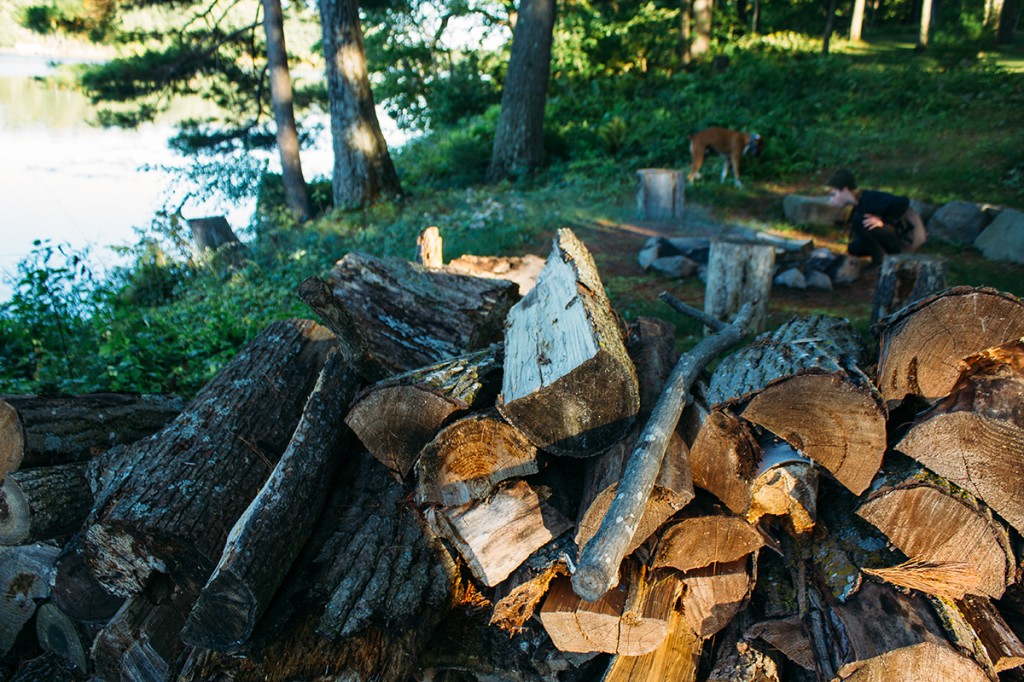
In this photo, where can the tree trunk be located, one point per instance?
(569, 384)
(48, 431)
(904, 279)
(702, 11)
(1008, 21)
(830, 20)
(295, 193)
(43, 503)
(857, 20)
(926, 25)
(975, 437)
(397, 417)
(519, 136)
(922, 345)
(661, 193)
(268, 536)
(363, 170)
(182, 489)
(686, 32)
(739, 272)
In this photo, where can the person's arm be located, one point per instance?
(918, 235)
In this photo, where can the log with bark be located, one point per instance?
(44, 503)
(50, 430)
(903, 279)
(392, 316)
(739, 272)
(921, 347)
(568, 384)
(396, 417)
(26, 572)
(700, 539)
(517, 597)
(725, 458)
(180, 490)
(59, 634)
(803, 382)
(77, 592)
(975, 436)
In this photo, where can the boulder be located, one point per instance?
(792, 278)
(848, 271)
(816, 279)
(1004, 238)
(958, 222)
(674, 266)
(926, 211)
(804, 210)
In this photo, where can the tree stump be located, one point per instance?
(429, 248)
(739, 271)
(905, 278)
(213, 237)
(661, 194)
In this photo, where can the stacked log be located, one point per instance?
(541, 491)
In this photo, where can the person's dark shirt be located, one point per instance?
(889, 207)
(882, 240)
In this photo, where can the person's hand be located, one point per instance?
(872, 221)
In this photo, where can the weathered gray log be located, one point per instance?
(739, 271)
(73, 428)
(652, 349)
(661, 193)
(396, 417)
(975, 436)
(905, 278)
(268, 536)
(976, 628)
(803, 383)
(923, 344)
(568, 384)
(404, 316)
(43, 503)
(25, 575)
(179, 491)
(469, 458)
(61, 635)
(601, 556)
(942, 527)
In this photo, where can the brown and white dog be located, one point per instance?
(729, 144)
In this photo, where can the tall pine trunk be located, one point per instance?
(519, 138)
(857, 20)
(295, 192)
(702, 11)
(363, 170)
(926, 23)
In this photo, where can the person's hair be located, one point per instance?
(842, 178)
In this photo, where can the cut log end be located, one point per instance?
(12, 439)
(15, 515)
(224, 615)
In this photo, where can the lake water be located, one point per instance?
(66, 180)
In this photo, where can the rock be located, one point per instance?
(816, 279)
(1004, 238)
(926, 211)
(792, 278)
(804, 210)
(648, 254)
(958, 222)
(848, 271)
(674, 266)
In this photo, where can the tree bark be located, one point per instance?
(363, 170)
(268, 536)
(925, 27)
(830, 20)
(904, 279)
(739, 272)
(182, 489)
(295, 192)
(519, 136)
(62, 429)
(974, 436)
(43, 503)
(702, 12)
(568, 384)
(857, 20)
(922, 345)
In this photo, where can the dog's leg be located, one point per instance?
(697, 160)
(734, 159)
(725, 168)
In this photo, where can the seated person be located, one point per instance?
(880, 222)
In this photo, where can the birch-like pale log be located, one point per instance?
(601, 556)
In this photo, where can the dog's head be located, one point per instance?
(755, 146)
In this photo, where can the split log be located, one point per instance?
(77, 592)
(25, 575)
(923, 344)
(141, 641)
(725, 457)
(494, 536)
(975, 436)
(700, 540)
(742, 659)
(268, 536)
(601, 556)
(523, 270)
(48, 431)
(714, 594)
(905, 278)
(63, 636)
(397, 316)
(925, 662)
(183, 488)
(739, 271)
(429, 248)
(802, 382)
(396, 417)
(516, 598)
(785, 486)
(568, 383)
(43, 503)
(48, 667)
(652, 349)
(631, 620)
(943, 529)
(977, 630)
(676, 658)
(470, 457)
(788, 636)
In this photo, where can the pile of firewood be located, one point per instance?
(459, 477)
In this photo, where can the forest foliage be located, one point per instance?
(947, 124)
